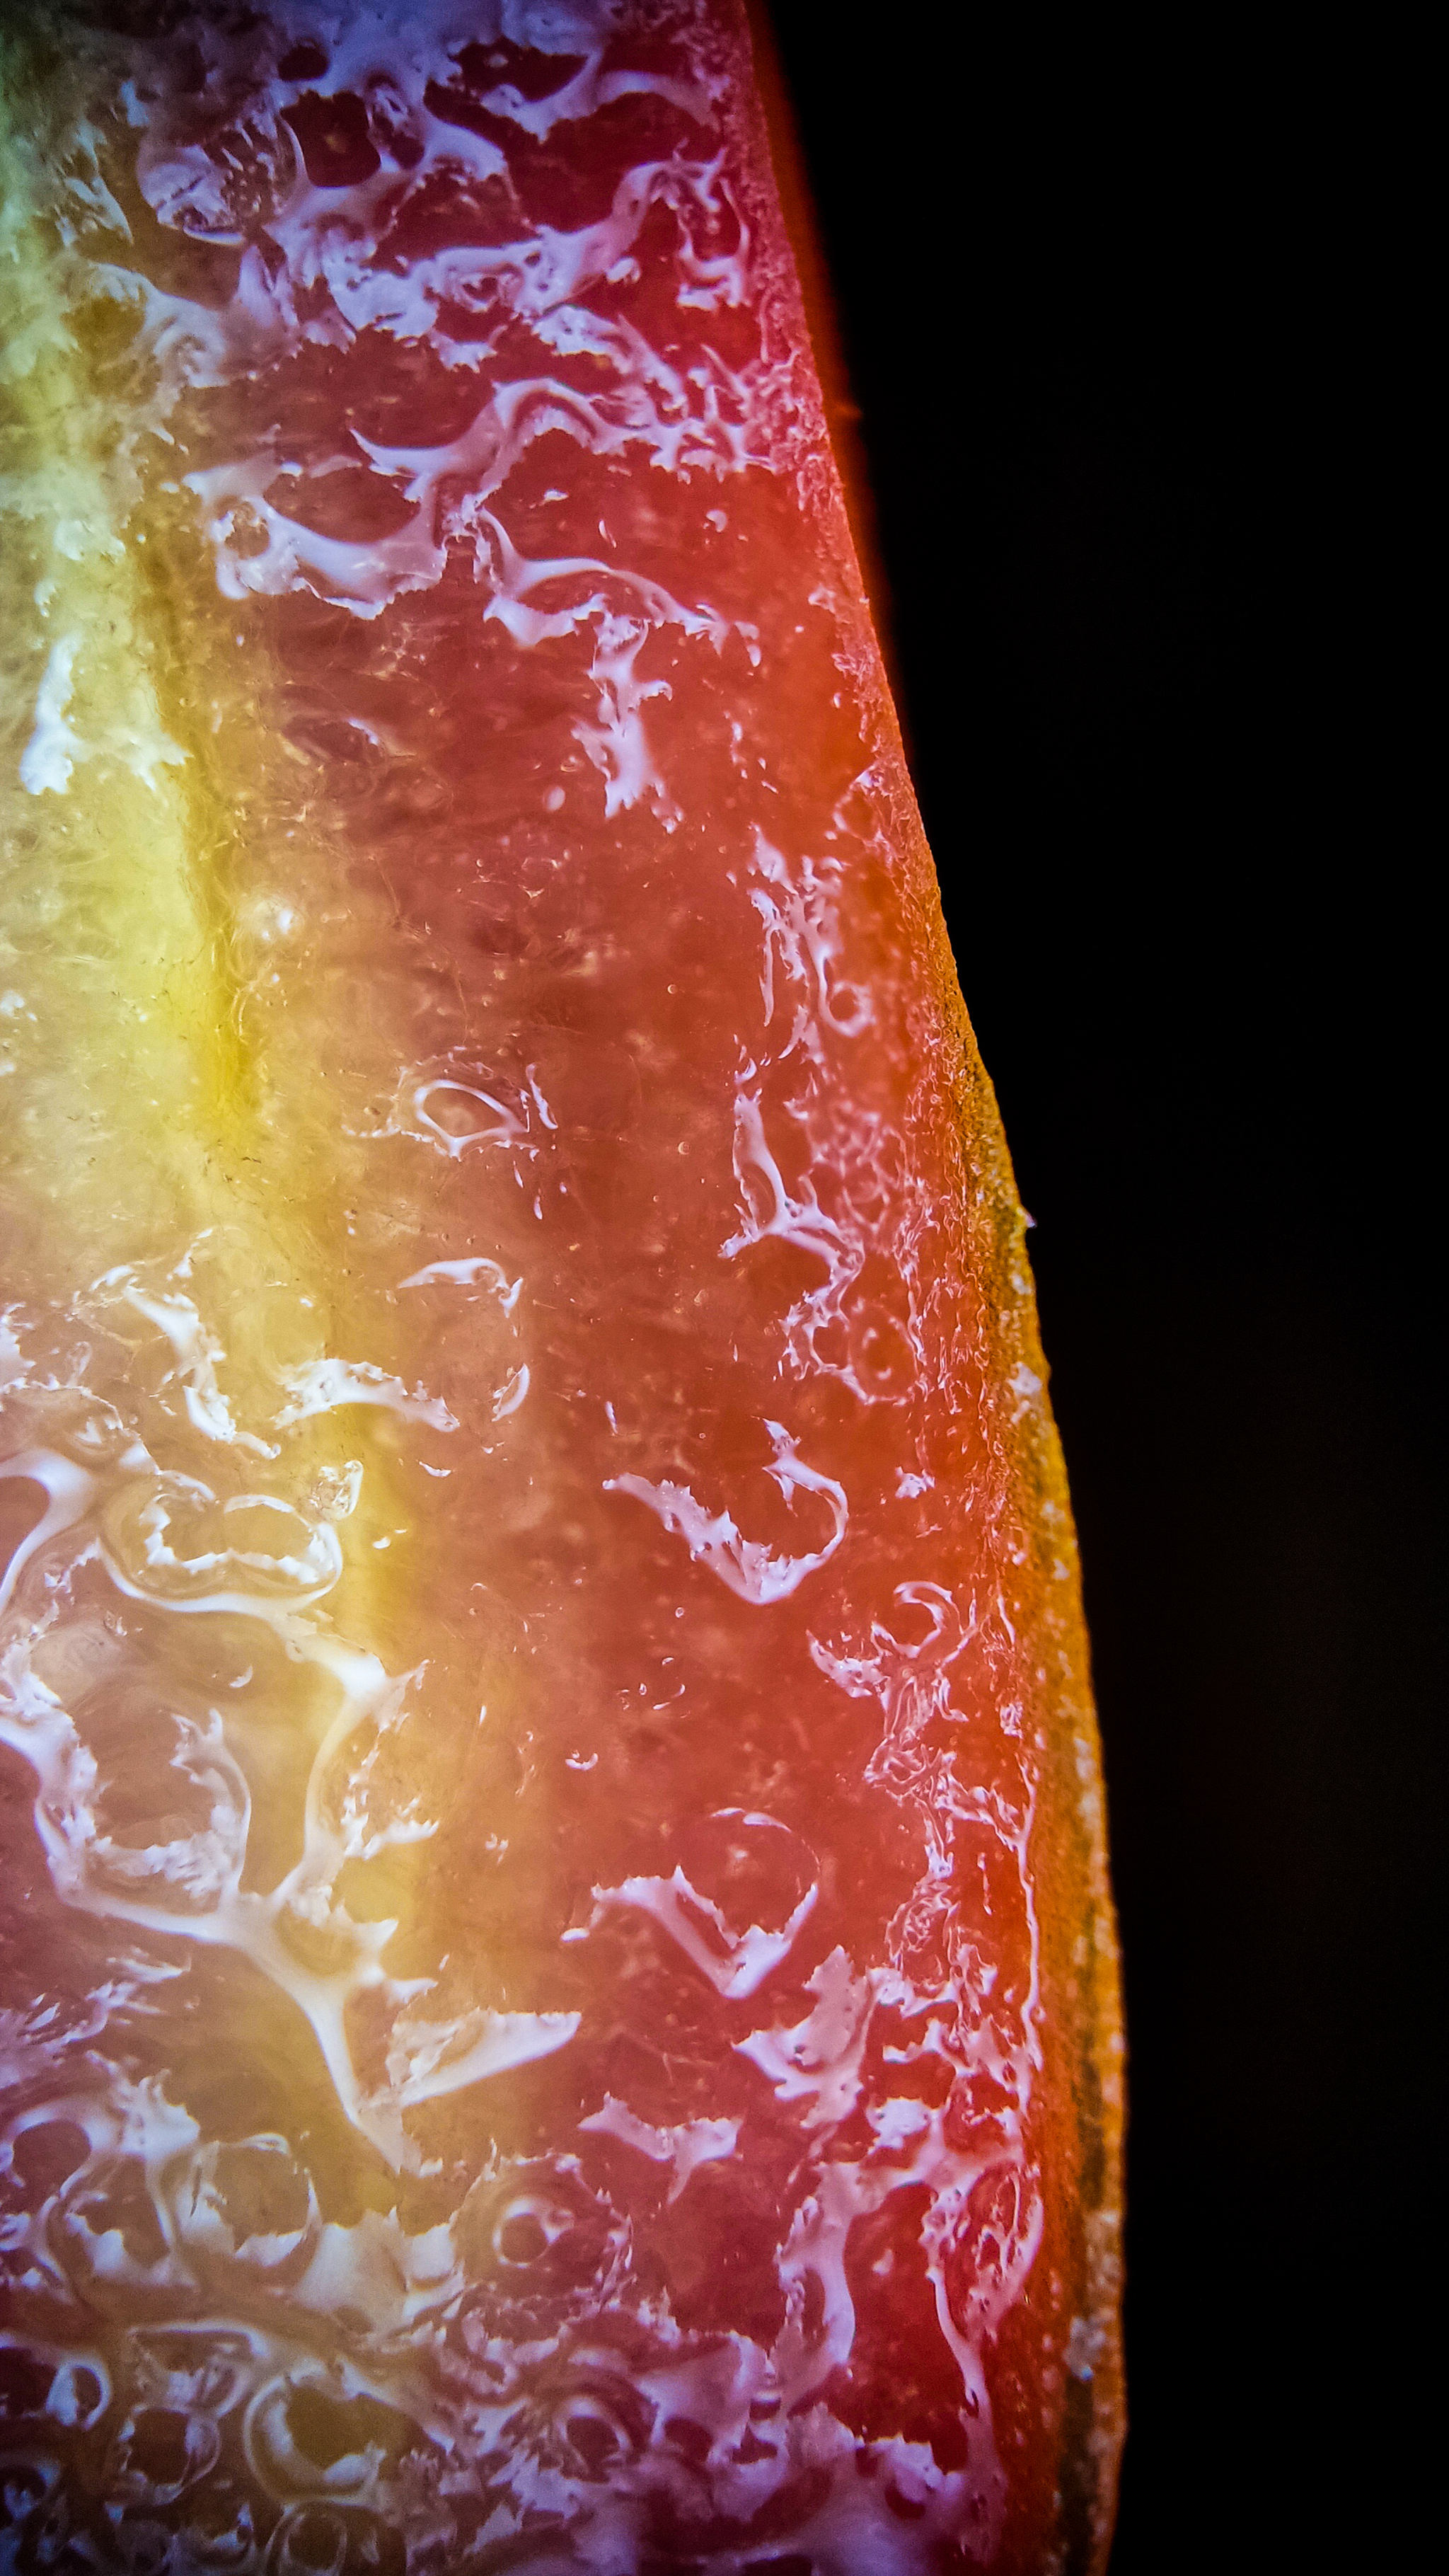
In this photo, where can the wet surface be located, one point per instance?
(558, 1985)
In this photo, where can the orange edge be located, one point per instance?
(1097, 2046)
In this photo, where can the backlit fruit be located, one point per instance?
(559, 1995)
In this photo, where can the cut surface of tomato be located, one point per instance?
(559, 1994)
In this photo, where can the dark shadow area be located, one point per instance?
(1103, 330)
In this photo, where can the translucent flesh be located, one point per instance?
(558, 1988)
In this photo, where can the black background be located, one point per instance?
(1109, 315)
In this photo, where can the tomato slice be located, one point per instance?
(561, 1984)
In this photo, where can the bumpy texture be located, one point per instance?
(558, 1998)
